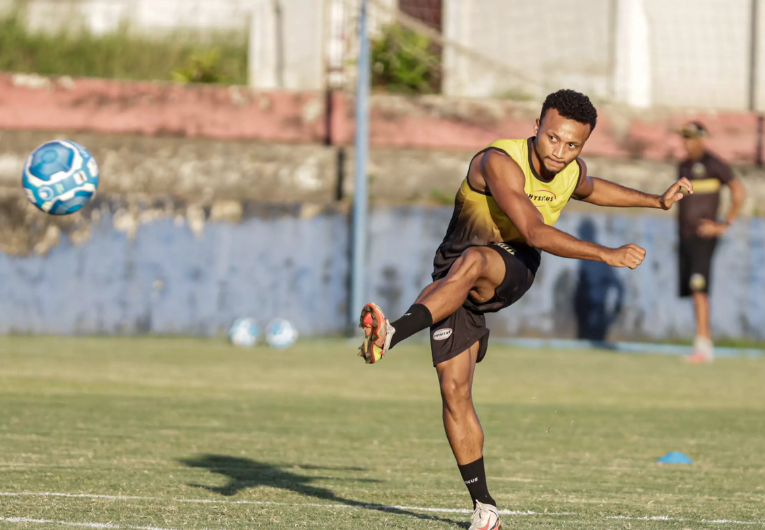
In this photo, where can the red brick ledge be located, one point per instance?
(239, 113)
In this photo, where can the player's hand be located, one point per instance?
(627, 256)
(674, 193)
(709, 229)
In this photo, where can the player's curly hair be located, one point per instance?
(572, 105)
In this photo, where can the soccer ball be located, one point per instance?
(244, 333)
(60, 177)
(281, 333)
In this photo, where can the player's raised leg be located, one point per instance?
(476, 273)
(463, 429)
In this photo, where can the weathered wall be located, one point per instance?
(428, 122)
(181, 275)
(179, 240)
(202, 171)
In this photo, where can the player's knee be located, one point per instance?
(471, 264)
(455, 392)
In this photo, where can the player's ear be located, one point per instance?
(536, 127)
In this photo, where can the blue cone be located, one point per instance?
(675, 457)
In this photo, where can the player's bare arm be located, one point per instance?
(605, 193)
(708, 228)
(504, 178)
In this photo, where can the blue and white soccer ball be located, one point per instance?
(60, 177)
(244, 333)
(280, 333)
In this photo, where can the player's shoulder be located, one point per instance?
(511, 147)
(581, 167)
(714, 159)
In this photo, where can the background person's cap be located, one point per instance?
(693, 129)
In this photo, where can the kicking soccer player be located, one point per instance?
(503, 217)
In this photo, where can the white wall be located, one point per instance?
(551, 42)
(151, 15)
(697, 51)
(287, 44)
(700, 52)
(286, 36)
(681, 53)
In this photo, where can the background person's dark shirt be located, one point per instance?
(707, 176)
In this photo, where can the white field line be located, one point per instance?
(263, 503)
(379, 507)
(27, 520)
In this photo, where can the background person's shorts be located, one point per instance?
(463, 328)
(695, 264)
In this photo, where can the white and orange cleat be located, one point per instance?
(378, 332)
(485, 517)
(698, 358)
(703, 351)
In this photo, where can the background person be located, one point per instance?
(699, 228)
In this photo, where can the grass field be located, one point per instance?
(191, 434)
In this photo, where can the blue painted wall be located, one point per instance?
(168, 280)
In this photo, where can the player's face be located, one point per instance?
(559, 140)
(694, 146)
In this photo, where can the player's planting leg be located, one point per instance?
(476, 273)
(703, 349)
(463, 429)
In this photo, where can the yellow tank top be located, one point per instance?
(478, 219)
(548, 197)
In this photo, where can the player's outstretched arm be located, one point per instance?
(605, 193)
(504, 178)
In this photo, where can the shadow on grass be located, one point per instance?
(244, 473)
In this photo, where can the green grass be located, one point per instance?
(169, 420)
(121, 54)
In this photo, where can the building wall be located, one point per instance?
(541, 44)
(30, 102)
(697, 52)
(171, 276)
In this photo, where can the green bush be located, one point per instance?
(122, 55)
(405, 61)
(202, 68)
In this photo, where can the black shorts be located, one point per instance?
(463, 328)
(695, 264)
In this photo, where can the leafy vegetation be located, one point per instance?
(405, 61)
(122, 54)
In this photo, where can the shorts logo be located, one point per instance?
(442, 334)
(506, 247)
(697, 282)
(542, 196)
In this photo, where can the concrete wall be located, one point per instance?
(181, 176)
(286, 37)
(101, 16)
(696, 53)
(29, 102)
(540, 44)
(692, 54)
(169, 276)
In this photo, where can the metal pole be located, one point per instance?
(613, 21)
(753, 82)
(753, 57)
(360, 193)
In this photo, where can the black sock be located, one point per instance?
(416, 319)
(474, 476)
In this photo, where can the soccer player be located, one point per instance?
(503, 218)
(700, 229)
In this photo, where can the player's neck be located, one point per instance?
(696, 157)
(536, 164)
